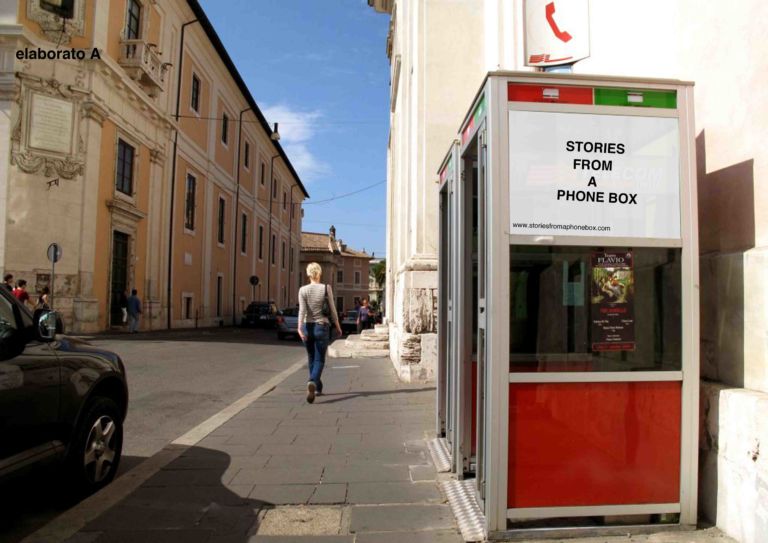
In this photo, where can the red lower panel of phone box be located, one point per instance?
(577, 444)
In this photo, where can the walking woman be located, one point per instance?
(315, 323)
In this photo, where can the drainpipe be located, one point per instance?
(235, 238)
(290, 245)
(272, 247)
(173, 173)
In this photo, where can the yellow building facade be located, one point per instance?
(142, 153)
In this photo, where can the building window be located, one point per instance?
(124, 175)
(272, 243)
(263, 172)
(222, 210)
(247, 158)
(339, 304)
(285, 200)
(261, 242)
(224, 128)
(282, 256)
(187, 307)
(189, 202)
(357, 277)
(244, 235)
(285, 295)
(133, 21)
(291, 261)
(274, 189)
(219, 293)
(195, 100)
(339, 277)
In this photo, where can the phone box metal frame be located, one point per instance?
(479, 396)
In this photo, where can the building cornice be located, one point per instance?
(382, 6)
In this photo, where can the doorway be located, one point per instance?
(119, 284)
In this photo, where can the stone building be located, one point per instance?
(344, 268)
(134, 160)
(439, 53)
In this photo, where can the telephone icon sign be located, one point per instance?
(561, 34)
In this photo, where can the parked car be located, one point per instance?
(288, 322)
(62, 400)
(349, 322)
(260, 315)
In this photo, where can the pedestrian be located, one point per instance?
(363, 316)
(21, 292)
(42, 300)
(317, 313)
(134, 310)
(8, 281)
(124, 305)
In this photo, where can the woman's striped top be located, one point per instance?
(311, 304)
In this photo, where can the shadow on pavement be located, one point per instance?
(349, 395)
(188, 497)
(30, 501)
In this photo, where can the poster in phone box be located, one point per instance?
(612, 302)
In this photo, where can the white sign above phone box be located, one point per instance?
(556, 32)
(576, 174)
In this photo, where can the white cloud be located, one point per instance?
(297, 129)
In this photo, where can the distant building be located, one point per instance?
(344, 269)
(93, 157)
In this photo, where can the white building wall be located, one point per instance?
(717, 45)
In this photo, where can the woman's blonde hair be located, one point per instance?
(314, 271)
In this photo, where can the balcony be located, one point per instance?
(143, 64)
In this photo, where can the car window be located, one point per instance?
(7, 318)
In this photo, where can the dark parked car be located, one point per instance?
(61, 400)
(288, 322)
(260, 315)
(349, 322)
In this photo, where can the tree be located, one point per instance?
(379, 271)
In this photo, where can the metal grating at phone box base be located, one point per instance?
(469, 517)
(438, 449)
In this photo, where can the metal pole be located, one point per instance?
(272, 247)
(53, 275)
(237, 210)
(290, 245)
(169, 293)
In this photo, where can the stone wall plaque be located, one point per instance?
(50, 124)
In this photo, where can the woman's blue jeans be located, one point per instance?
(317, 336)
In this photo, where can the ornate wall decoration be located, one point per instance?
(36, 148)
(52, 26)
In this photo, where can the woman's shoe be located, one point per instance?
(311, 388)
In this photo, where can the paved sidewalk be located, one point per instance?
(352, 467)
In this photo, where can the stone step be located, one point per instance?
(366, 345)
(381, 328)
(373, 335)
(340, 350)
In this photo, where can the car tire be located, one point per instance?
(280, 335)
(94, 454)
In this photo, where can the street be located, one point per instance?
(176, 381)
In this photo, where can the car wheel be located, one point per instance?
(95, 452)
(280, 335)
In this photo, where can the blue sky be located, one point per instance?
(319, 68)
